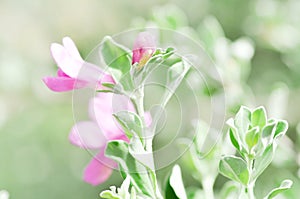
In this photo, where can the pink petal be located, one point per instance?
(107, 79)
(72, 65)
(136, 56)
(144, 44)
(87, 135)
(62, 84)
(99, 169)
(61, 73)
(101, 110)
(148, 118)
(71, 48)
(92, 73)
(65, 61)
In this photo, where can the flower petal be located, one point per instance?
(65, 61)
(99, 169)
(87, 134)
(61, 73)
(148, 118)
(144, 46)
(62, 84)
(71, 48)
(101, 110)
(107, 79)
(92, 73)
(72, 65)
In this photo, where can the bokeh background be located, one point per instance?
(36, 159)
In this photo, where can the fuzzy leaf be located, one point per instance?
(118, 151)
(281, 128)
(263, 161)
(117, 59)
(285, 185)
(252, 137)
(242, 121)
(234, 139)
(234, 168)
(175, 188)
(131, 123)
(259, 117)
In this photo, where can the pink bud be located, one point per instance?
(143, 48)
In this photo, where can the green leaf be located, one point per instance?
(137, 150)
(234, 139)
(259, 117)
(105, 91)
(263, 161)
(109, 85)
(125, 186)
(252, 137)
(268, 130)
(117, 59)
(176, 73)
(118, 151)
(234, 168)
(285, 185)
(122, 192)
(175, 188)
(242, 121)
(130, 122)
(268, 134)
(107, 194)
(281, 128)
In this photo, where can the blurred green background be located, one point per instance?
(36, 159)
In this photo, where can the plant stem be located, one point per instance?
(250, 186)
(208, 184)
(138, 102)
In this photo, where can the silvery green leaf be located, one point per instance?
(268, 133)
(118, 150)
(110, 194)
(130, 122)
(242, 121)
(176, 73)
(263, 161)
(259, 117)
(175, 188)
(285, 185)
(235, 140)
(281, 128)
(252, 137)
(234, 168)
(117, 59)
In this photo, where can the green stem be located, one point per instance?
(138, 102)
(208, 184)
(250, 186)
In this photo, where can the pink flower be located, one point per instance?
(143, 48)
(73, 71)
(102, 128)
